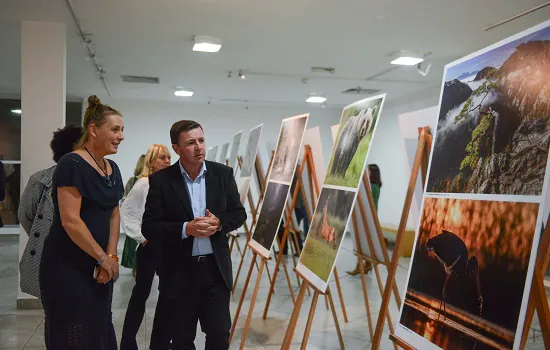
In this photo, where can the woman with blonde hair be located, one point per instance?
(79, 259)
(148, 253)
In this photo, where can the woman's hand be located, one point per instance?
(111, 268)
(103, 276)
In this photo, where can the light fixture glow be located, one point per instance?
(407, 61)
(183, 93)
(316, 99)
(207, 44)
(16, 111)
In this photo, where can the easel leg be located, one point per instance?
(240, 267)
(233, 238)
(295, 315)
(252, 303)
(366, 295)
(340, 296)
(238, 246)
(538, 298)
(335, 317)
(238, 312)
(280, 258)
(312, 309)
(380, 284)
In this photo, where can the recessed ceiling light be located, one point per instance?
(183, 93)
(16, 111)
(316, 99)
(405, 58)
(207, 44)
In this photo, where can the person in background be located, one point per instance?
(2, 188)
(130, 245)
(375, 184)
(148, 253)
(79, 259)
(35, 212)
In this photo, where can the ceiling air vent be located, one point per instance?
(360, 91)
(323, 70)
(139, 80)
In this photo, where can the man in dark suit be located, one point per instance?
(2, 188)
(190, 208)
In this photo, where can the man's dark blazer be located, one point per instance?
(2, 188)
(168, 206)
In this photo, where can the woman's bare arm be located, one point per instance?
(70, 201)
(115, 231)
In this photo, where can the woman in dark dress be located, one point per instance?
(79, 260)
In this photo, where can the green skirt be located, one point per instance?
(129, 253)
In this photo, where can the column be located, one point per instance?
(43, 64)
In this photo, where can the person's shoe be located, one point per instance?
(355, 271)
(368, 267)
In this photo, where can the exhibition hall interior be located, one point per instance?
(274, 174)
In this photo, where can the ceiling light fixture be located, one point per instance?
(407, 58)
(316, 99)
(183, 93)
(16, 111)
(207, 44)
(241, 75)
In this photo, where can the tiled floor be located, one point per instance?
(24, 329)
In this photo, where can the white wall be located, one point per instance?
(149, 121)
(388, 153)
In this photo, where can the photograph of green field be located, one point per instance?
(327, 231)
(352, 142)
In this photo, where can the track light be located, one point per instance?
(241, 75)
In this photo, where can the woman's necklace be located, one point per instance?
(104, 164)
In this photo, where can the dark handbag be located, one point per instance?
(129, 253)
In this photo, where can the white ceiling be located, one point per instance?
(275, 41)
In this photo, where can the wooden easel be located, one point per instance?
(371, 257)
(296, 314)
(307, 161)
(420, 162)
(254, 208)
(537, 298)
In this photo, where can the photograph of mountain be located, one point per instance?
(493, 132)
(469, 272)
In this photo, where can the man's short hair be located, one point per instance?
(182, 126)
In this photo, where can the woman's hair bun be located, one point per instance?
(94, 100)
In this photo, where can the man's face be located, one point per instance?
(191, 147)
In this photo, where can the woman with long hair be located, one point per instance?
(79, 259)
(148, 253)
(375, 180)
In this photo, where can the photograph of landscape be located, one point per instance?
(493, 132)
